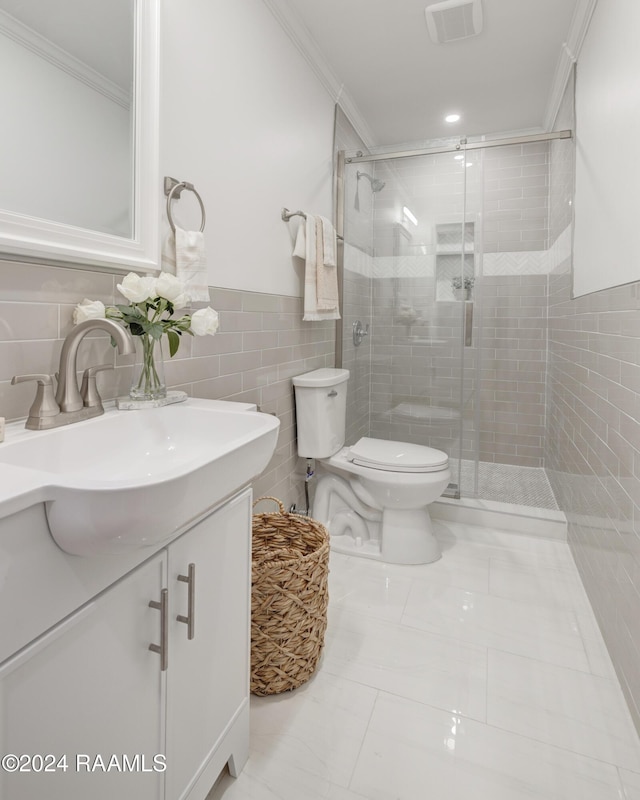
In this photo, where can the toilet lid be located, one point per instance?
(397, 456)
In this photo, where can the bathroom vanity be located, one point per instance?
(126, 674)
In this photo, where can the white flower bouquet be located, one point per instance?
(152, 304)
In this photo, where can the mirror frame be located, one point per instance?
(26, 238)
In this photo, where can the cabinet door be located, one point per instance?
(208, 677)
(89, 687)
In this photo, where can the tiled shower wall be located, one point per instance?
(261, 344)
(415, 379)
(593, 442)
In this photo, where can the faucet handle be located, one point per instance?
(45, 403)
(89, 390)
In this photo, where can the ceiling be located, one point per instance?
(400, 84)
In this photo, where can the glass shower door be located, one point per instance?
(409, 272)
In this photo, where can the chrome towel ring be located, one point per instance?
(173, 189)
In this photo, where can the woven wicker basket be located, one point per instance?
(289, 598)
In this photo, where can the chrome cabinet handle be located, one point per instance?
(163, 648)
(190, 619)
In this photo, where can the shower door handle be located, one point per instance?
(468, 323)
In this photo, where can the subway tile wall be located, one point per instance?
(513, 355)
(593, 456)
(262, 343)
(416, 368)
(516, 208)
(593, 440)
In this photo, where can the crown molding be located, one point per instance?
(48, 51)
(306, 45)
(568, 57)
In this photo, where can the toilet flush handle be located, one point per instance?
(332, 393)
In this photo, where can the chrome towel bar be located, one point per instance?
(286, 216)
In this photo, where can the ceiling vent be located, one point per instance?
(453, 20)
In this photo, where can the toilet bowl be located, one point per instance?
(372, 496)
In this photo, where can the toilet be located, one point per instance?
(373, 497)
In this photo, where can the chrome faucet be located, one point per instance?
(68, 396)
(71, 404)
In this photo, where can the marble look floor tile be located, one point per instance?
(319, 727)
(413, 751)
(420, 666)
(599, 659)
(368, 587)
(474, 541)
(489, 621)
(388, 715)
(577, 711)
(630, 784)
(276, 779)
(548, 588)
(385, 583)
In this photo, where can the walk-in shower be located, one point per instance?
(448, 266)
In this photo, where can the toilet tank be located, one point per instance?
(321, 411)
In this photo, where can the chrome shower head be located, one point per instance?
(376, 185)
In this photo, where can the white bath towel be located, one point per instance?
(309, 245)
(183, 255)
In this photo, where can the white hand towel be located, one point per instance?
(326, 276)
(329, 243)
(191, 263)
(168, 255)
(309, 246)
(312, 252)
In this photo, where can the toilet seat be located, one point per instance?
(394, 456)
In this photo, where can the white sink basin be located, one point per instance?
(131, 479)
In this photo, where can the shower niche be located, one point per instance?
(454, 242)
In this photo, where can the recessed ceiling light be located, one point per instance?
(452, 118)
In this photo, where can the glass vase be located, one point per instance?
(148, 381)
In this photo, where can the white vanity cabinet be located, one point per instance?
(91, 686)
(208, 675)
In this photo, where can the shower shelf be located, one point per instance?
(453, 249)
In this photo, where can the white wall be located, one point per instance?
(607, 131)
(246, 121)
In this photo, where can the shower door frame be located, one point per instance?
(462, 146)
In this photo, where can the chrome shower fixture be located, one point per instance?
(376, 185)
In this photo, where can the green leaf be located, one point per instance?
(174, 343)
(136, 329)
(154, 329)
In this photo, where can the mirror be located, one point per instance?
(79, 92)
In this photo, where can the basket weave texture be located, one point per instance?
(289, 598)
